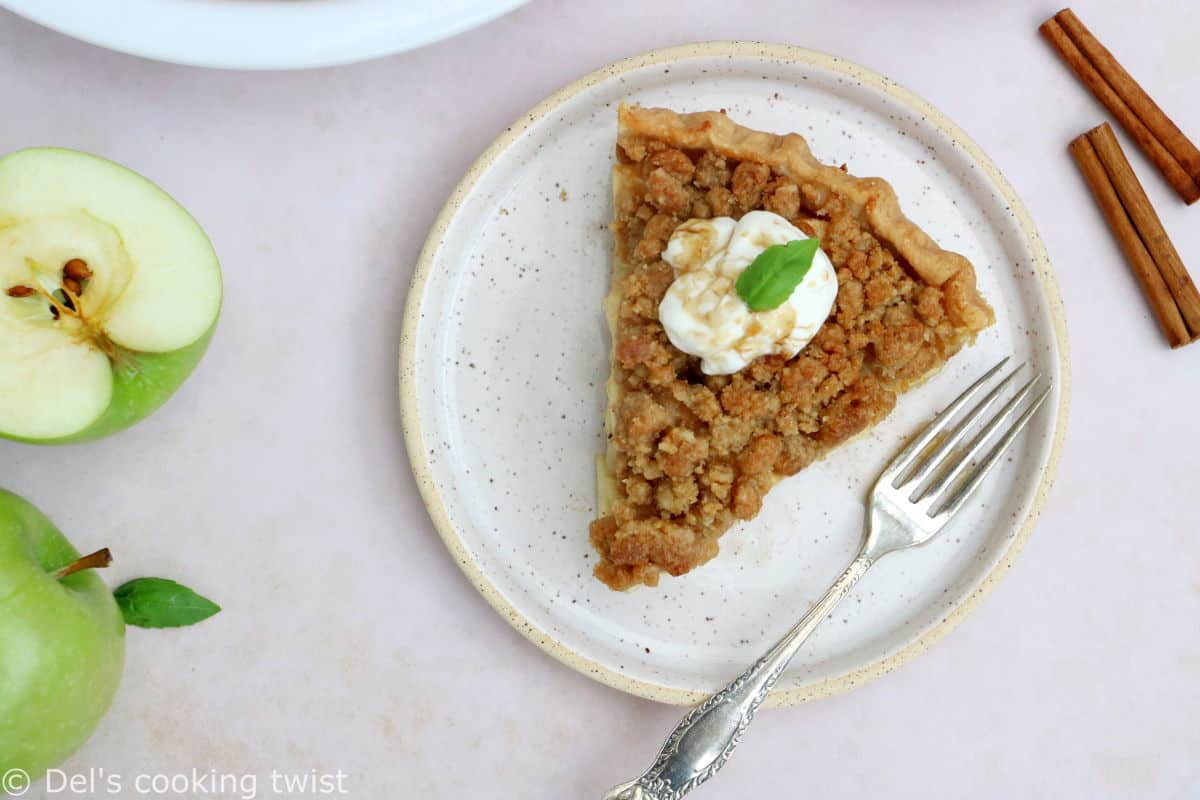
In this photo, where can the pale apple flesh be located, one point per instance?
(81, 359)
(63, 643)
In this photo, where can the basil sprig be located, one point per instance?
(772, 277)
(162, 603)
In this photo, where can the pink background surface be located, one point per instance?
(276, 481)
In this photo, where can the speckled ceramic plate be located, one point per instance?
(505, 352)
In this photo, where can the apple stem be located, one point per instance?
(96, 560)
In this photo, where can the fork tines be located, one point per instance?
(937, 475)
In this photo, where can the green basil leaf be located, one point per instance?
(772, 277)
(161, 603)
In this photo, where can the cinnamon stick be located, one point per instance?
(1154, 118)
(1175, 173)
(1144, 268)
(1149, 226)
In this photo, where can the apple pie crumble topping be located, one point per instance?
(689, 453)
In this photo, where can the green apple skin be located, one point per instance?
(141, 385)
(62, 643)
(141, 381)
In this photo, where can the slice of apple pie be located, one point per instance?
(722, 382)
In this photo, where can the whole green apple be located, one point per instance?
(62, 643)
(109, 294)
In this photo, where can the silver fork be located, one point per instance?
(921, 490)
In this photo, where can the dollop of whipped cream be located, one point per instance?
(702, 312)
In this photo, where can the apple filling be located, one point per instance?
(106, 287)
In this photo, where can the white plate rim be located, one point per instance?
(411, 424)
(275, 22)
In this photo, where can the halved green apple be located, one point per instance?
(109, 294)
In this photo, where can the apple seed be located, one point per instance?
(77, 269)
(72, 286)
(21, 291)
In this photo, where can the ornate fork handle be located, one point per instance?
(920, 490)
(706, 738)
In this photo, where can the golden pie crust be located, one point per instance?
(690, 454)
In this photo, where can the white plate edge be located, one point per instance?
(408, 399)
